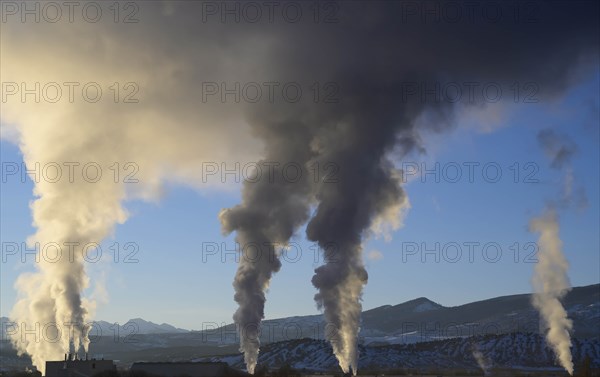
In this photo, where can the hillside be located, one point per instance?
(518, 351)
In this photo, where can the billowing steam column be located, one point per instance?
(551, 283)
(72, 215)
(273, 208)
(366, 192)
(550, 279)
(71, 219)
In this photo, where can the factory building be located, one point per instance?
(74, 366)
(189, 369)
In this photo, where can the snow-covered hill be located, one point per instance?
(518, 350)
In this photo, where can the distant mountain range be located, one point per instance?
(136, 326)
(413, 321)
(133, 326)
(422, 320)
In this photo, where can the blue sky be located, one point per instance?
(173, 281)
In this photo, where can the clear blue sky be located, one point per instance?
(172, 283)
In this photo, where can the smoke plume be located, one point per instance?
(272, 210)
(482, 361)
(551, 283)
(51, 302)
(382, 61)
(550, 279)
(165, 136)
(558, 148)
(374, 122)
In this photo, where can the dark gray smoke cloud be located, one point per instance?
(272, 210)
(558, 148)
(383, 60)
(374, 55)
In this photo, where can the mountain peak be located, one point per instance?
(419, 305)
(138, 319)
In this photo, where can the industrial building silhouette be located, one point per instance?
(74, 366)
(191, 369)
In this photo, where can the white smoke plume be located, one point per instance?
(166, 136)
(551, 283)
(51, 302)
(482, 361)
(550, 277)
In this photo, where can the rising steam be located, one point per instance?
(272, 210)
(51, 302)
(372, 125)
(343, 216)
(482, 361)
(373, 57)
(162, 137)
(550, 279)
(551, 283)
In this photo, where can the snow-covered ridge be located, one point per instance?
(497, 351)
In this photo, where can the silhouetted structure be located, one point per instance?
(191, 369)
(73, 366)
